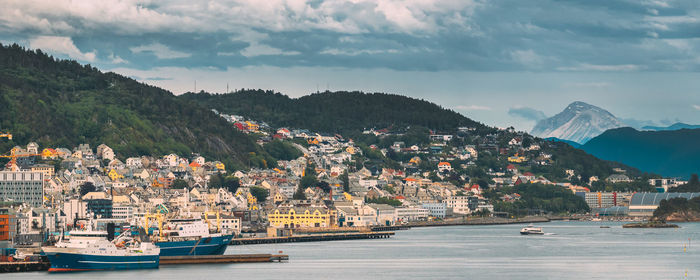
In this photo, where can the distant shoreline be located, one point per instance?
(481, 221)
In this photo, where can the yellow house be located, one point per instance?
(113, 175)
(516, 159)
(351, 150)
(415, 160)
(220, 166)
(301, 217)
(348, 196)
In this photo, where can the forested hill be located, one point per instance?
(673, 153)
(60, 103)
(338, 112)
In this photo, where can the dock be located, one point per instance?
(313, 237)
(23, 266)
(245, 258)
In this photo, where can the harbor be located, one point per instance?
(313, 237)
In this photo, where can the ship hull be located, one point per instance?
(206, 246)
(63, 262)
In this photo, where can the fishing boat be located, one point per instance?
(92, 250)
(531, 230)
(188, 237)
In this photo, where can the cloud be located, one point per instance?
(527, 57)
(420, 35)
(603, 68)
(160, 51)
(473, 108)
(588, 84)
(61, 45)
(697, 107)
(527, 113)
(116, 59)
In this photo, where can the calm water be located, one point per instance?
(571, 250)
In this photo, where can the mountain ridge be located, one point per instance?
(673, 153)
(578, 122)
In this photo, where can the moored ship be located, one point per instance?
(91, 250)
(186, 237)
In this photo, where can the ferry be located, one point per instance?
(92, 250)
(188, 237)
(531, 230)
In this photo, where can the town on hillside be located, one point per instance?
(319, 181)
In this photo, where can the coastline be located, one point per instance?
(482, 221)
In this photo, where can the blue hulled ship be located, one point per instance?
(91, 250)
(185, 237)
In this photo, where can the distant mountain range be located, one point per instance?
(579, 122)
(670, 153)
(675, 126)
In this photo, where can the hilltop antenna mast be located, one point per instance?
(227, 88)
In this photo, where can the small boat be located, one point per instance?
(530, 229)
(604, 226)
(91, 250)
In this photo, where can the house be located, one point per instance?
(284, 132)
(33, 148)
(515, 142)
(617, 178)
(444, 167)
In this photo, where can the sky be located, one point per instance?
(502, 62)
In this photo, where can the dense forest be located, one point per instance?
(537, 198)
(60, 103)
(335, 112)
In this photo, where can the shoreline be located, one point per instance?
(482, 221)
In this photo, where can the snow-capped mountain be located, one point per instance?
(579, 122)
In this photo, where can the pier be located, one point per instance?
(23, 266)
(313, 238)
(246, 258)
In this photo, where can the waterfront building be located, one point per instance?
(437, 210)
(22, 186)
(102, 208)
(8, 224)
(644, 204)
(410, 214)
(461, 204)
(125, 212)
(603, 199)
(301, 217)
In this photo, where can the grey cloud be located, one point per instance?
(527, 113)
(506, 35)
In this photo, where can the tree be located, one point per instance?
(232, 183)
(179, 184)
(323, 185)
(693, 185)
(216, 180)
(259, 193)
(299, 194)
(346, 181)
(86, 188)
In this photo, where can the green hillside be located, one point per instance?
(335, 112)
(60, 103)
(670, 153)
